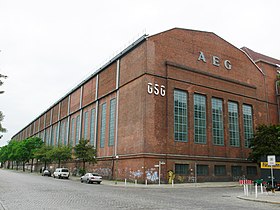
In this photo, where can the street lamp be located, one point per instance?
(159, 169)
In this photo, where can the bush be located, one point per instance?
(82, 171)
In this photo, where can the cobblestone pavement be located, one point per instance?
(31, 191)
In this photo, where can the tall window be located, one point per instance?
(65, 133)
(85, 125)
(112, 122)
(57, 137)
(180, 116)
(47, 133)
(217, 122)
(233, 124)
(92, 126)
(53, 136)
(103, 125)
(72, 132)
(199, 119)
(62, 131)
(77, 130)
(247, 123)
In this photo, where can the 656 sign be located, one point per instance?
(156, 89)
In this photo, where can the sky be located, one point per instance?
(49, 47)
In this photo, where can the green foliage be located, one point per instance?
(82, 172)
(4, 154)
(44, 154)
(20, 151)
(60, 153)
(85, 152)
(2, 130)
(266, 141)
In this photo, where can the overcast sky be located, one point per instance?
(48, 47)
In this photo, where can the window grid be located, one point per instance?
(53, 137)
(72, 132)
(251, 170)
(65, 133)
(236, 170)
(202, 170)
(248, 124)
(233, 124)
(199, 119)
(112, 122)
(181, 169)
(85, 125)
(62, 130)
(217, 122)
(180, 116)
(220, 170)
(103, 125)
(77, 129)
(92, 126)
(47, 136)
(57, 137)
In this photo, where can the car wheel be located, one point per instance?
(82, 181)
(98, 182)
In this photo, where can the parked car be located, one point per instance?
(61, 173)
(91, 178)
(46, 172)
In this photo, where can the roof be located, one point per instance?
(255, 56)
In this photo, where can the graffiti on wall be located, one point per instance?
(104, 171)
(152, 175)
(136, 174)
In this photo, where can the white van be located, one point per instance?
(61, 173)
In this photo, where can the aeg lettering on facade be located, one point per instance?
(215, 60)
(156, 89)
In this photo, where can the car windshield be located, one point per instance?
(95, 174)
(64, 170)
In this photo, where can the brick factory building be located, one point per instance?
(184, 100)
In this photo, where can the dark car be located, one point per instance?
(46, 172)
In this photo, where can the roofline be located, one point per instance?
(252, 61)
(267, 62)
(118, 56)
(218, 37)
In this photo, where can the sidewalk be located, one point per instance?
(182, 185)
(269, 197)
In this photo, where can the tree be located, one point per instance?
(60, 153)
(266, 141)
(85, 152)
(4, 154)
(32, 145)
(44, 154)
(2, 130)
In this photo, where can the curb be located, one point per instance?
(256, 200)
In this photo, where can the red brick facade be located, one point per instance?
(143, 133)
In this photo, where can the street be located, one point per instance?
(20, 190)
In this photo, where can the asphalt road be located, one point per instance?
(22, 191)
